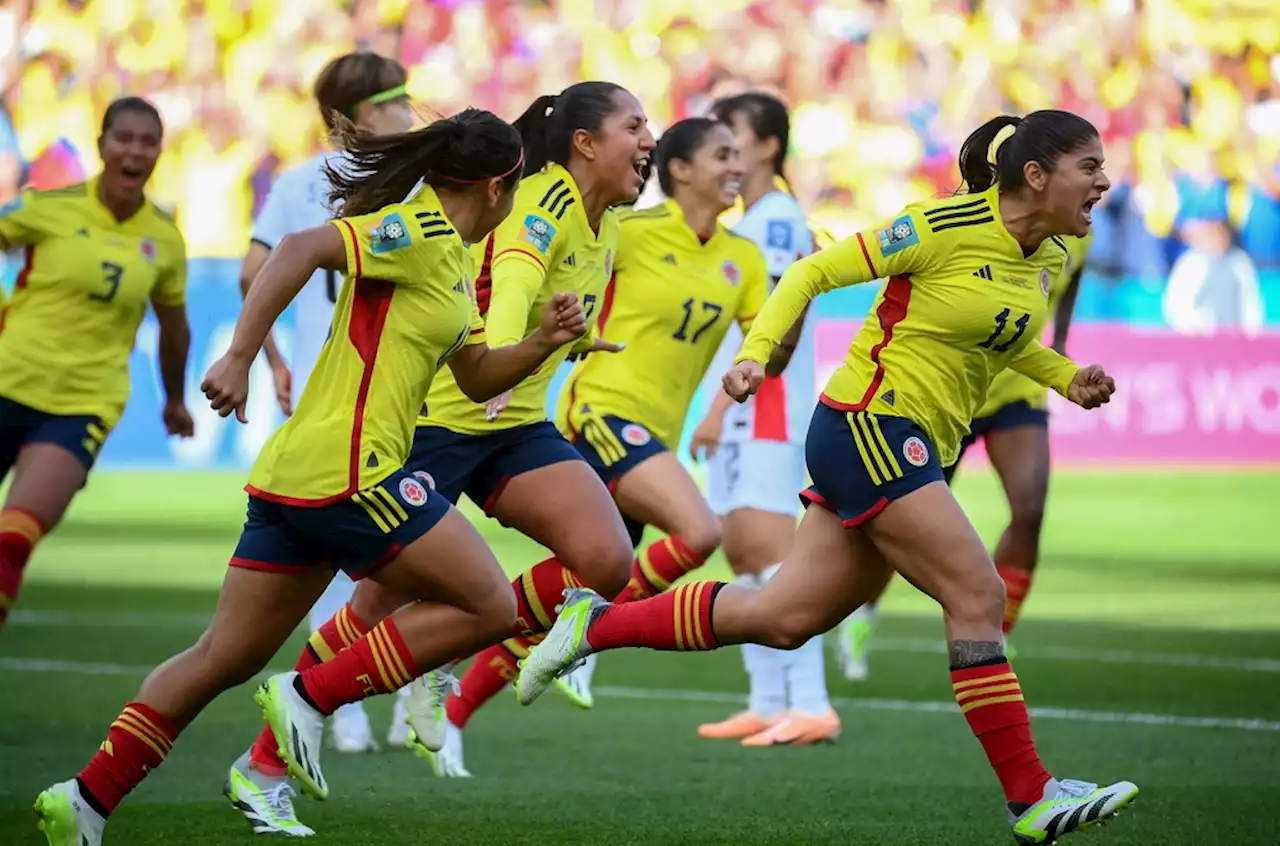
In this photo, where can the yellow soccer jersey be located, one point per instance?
(82, 292)
(961, 303)
(406, 307)
(1009, 386)
(545, 246)
(671, 300)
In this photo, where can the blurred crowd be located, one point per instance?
(1185, 92)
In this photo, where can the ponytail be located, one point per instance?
(1000, 150)
(379, 170)
(533, 127)
(547, 126)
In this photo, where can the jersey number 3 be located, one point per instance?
(111, 274)
(682, 334)
(1002, 321)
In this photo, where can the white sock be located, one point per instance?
(806, 677)
(336, 595)
(768, 690)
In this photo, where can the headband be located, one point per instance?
(1002, 136)
(519, 164)
(389, 94)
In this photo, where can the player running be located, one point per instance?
(757, 448)
(680, 279)
(329, 489)
(586, 150)
(889, 420)
(95, 254)
(368, 90)
(1014, 424)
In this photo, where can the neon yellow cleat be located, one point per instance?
(66, 819)
(564, 648)
(1069, 806)
(298, 729)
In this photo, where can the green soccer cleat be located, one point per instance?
(445, 762)
(265, 801)
(853, 643)
(66, 819)
(298, 729)
(425, 708)
(1069, 806)
(564, 648)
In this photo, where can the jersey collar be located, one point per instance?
(91, 188)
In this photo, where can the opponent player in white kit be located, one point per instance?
(369, 90)
(756, 449)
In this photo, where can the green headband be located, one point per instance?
(390, 94)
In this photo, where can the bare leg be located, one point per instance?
(1020, 457)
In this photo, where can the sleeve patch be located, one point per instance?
(390, 234)
(900, 235)
(539, 232)
(778, 235)
(11, 206)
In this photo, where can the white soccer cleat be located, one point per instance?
(398, 732)
(298, 729)
(1069, 806)
(853, 643)
(425, 706)
(66, 818)
(350, 731)
(565, 646)
(265, 801)
(576, 686)
(447, 761)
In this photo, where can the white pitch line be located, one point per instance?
(31, 665)
(892, 645)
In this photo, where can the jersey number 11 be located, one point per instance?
(1002, 320)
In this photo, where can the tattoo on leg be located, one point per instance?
(975, 653)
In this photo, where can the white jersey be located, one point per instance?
(299, 200)
(780, 410)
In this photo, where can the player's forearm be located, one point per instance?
(720, 404)
(803, 281)
(782, 353)
(281, 278)
(1043, 365)
(174, 347)
(483, 372)
(515, 286)
(1062, 317)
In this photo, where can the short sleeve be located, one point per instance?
(392, 244)
(171, 288)
(26, 220)
(477, 335)
(529, 234)
(904, 246)
(275, 220)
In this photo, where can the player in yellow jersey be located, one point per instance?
(95, 255)
(586, 150)
(680, 280)
(1013, 423)
(890, 419)
(330, 490)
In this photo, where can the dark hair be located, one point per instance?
(349, 80)
(1042, 137)
(767, 116)
(378, 170)
(130, 105)
(547, 126)
(681, 141)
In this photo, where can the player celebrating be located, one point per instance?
(1014, 424)
(757, 448)
(368, 90)
(679, 280)
(329, 488)
(889, 420)
(96, 254)
(586, 150)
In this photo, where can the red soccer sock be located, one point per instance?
(657, 566)
(20, 531)
(1017, 584)
(137, 743)
(338, 633)
(491, 671)
(991, 700)
(379, 662)
(538, 591)
(679, 620)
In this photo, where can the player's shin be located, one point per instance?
(1017, 584)
(341, 631)
(658, 566)
(539, 593)
(679, 620)
(377, 662)
(136, 743)
(20, 531)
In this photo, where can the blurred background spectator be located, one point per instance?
(1185, 92)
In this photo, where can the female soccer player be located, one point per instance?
(889, 420)
(329, 489)
(368, 90)
(756, 449)
(679, 280)
(1014, 424)
(586, 150)
(96, 254)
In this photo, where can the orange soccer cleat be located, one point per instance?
(798, 729)
(740, 725)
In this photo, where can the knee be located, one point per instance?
(978, 600)
(703, 538)
(1026, 516)
(603, 563)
